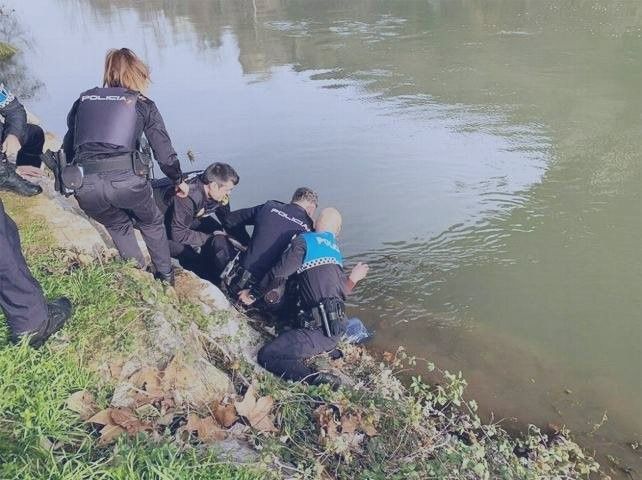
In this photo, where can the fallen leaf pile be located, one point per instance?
(156, 411)
(347, 428)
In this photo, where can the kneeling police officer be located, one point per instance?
(316, 260)
(196, 239)
(275, 224)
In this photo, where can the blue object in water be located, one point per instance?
(356, 332)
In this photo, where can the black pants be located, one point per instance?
(286, 356)
(210, 262)
(116, 200)
(32, 141)
(21, 297)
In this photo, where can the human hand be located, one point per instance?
(246, 298)
(10, 147)
(182, 190)
(29, 171)
(359, 272)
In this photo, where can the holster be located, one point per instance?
(142, 163)
(327, 315)
(67, 177)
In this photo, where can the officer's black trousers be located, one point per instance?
(21, 297)
(286, 356)
(210, 262)
(116, 199)
(32, 141)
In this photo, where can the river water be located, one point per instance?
(486, 155)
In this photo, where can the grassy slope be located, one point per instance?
(377, 429)
(39, 437)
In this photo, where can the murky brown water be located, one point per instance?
(485, 153)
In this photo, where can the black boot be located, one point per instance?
(166, 278)
(59, 312)
(12, 182)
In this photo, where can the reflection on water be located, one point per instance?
(14, 71)
(486, 156)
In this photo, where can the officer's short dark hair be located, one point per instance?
(305, 194)
(220, 173)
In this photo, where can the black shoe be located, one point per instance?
(59, 312)
(166, 278)
(12, 182)
(325, 378)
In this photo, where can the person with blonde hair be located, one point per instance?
(105, 126)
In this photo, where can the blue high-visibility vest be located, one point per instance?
(320, 249)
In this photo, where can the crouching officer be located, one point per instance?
(196, 238)
(275, 224)
(105, 126)
(317, 262)
(21, 299)
(21, 144)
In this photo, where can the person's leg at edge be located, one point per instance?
(286, 356)
(21, 297)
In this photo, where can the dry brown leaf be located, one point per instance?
(225, 415)
(264, 424)
(388, 356)
(349, 423)
(257, 411)
(126, 419)
(109, 433)
(83, 403)
(326, 420)
(193, 422)
(209, 430)
(245, 407)
(102, 418)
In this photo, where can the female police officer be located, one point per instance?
(103, 138)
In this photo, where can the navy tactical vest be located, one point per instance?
(106, 115)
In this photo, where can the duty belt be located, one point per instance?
(328, 315)
(108, 164)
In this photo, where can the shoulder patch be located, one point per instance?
(6, 97)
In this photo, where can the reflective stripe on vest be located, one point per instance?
(106, 115)
(6, 97)
(320, 249)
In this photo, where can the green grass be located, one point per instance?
(39, 437)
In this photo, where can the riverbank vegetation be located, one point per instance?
(65, 415)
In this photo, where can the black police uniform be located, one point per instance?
(104, 130)
(31, 137)
(321, 280)
(191, 227)
(21, 297)
(275, 224)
